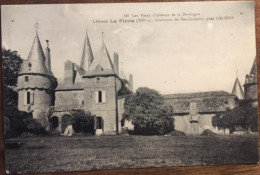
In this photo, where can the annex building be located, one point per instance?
(94, 85)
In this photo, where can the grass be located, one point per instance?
(51, 154)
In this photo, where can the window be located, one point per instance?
(26, 78)
(82, 102)
(98, 81)
(100, 96)
(99, 123)
(29, 98)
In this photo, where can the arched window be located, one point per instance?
(26, 78)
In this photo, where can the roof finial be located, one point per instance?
(103, 36)
(36, 27)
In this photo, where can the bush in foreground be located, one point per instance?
(148, 113)
(82, 122)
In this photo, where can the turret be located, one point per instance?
(250, 86)
(87, 55)
(238, 90)
(36, 83)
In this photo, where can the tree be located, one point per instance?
(148, 113)
(244, 116)
(82, 122)
(11, 65)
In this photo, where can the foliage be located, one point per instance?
(21, 122)
(11, 64)
(244, 116)
(148, 113)
(82, 122)
(34, 127)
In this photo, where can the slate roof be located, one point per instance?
(35, 62)
(87, 55)
(207, 102)
(238, 90)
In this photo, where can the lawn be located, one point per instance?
(49, 154)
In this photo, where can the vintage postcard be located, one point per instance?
(128, 85)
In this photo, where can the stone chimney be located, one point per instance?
(131, 86)
(48, 56)
(116, 65)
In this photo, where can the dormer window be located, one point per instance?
(98, 81)
(26, 78)
(99, 67)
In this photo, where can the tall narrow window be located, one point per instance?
(28, 97)
(100, 96)
(26, 78)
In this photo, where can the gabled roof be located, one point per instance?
(102, 61)
(35, 62)
(238, 90)
(87, 55)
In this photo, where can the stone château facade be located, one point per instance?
(94, 86)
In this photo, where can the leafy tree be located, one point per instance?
(82, 122)
(148, 113)
(244, 116)
(11, 64)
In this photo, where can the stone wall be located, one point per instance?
(182, 123)
(107, 109)
(69, 98)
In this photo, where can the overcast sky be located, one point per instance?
(171, 57)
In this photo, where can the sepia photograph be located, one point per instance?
(128, 85)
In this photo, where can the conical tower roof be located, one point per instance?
(87, 55)
(237, 90)
(35, 62)
(254, 71)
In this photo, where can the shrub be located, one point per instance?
(33, 127)
(82, 122)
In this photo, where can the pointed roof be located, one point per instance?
(102, 60)
(254, 70)
(238, 90)
(35, 62)
(87, 55)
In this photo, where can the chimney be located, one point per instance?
(68, 73)
(48, 56)
(116, 66)
(131, 83)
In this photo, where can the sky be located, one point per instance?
(170, 56)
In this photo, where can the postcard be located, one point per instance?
(128, 85)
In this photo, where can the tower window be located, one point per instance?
(28, 97)
(98, 81)
(26, 78)
(100, 96)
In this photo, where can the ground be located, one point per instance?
(49, 154)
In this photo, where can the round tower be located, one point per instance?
(250, 86)
(36, 83)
